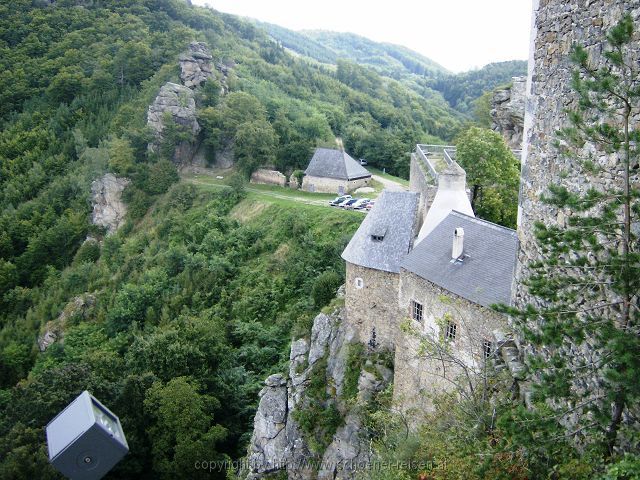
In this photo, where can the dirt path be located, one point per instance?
(390, 184)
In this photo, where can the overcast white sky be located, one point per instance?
(458, 34)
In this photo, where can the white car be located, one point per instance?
(338, 200)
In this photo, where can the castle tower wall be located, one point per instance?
(556, 26)
(371, 302)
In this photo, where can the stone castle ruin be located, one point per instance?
(422, 266)
(419, 266)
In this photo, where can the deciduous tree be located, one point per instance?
(492, 173)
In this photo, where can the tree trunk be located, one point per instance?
(614, 425)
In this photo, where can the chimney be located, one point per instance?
(458, 243)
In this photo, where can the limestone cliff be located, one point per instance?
(174, 103)
(108, 208)
(173, 112)
(278, 443)
(507, 111)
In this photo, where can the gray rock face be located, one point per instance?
(277, 443)
(54, 330)
(269, 441)
(225, 158)
(174, 103)
(108, 209)
(195, 65)
(507, 112)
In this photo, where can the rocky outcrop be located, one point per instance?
(108, 208)
(79, 308)
(270, 441)
(225, 157)
(175, 107)
(197, 65)
(278, 444)
(174, 103)
(507, 112)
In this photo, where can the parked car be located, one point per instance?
(360, 204)
(370, 205)
(348, 203)
(338, 200)
(363, 162)
(341, 204)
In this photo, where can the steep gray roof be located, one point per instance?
(327, 162)
(484, 274)
(393, 217)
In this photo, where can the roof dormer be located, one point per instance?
(377, 234)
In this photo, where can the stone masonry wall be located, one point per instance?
(374, 305)
(421, 182)
(557, 25)
(418, 377)
(312, 183)
(269, 177)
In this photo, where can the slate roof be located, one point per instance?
(393, 217)
(327, 162)
(484, 274)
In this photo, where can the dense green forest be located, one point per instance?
(462, 89)
(189, 305)
(414, 70)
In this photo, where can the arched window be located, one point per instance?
(359, 283)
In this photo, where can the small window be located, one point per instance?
(359, 283)
(416, 311)
(377, 238)
(450, 331)
(487, 348)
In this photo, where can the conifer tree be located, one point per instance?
(583, 319)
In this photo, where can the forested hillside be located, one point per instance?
(462, 89)
(173, 321)
(327, 47)
(416, 71)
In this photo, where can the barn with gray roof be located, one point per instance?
(334, 171)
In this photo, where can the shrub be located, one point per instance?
(162, 175)
(355, 361)
(89, 252)
(324, 287)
